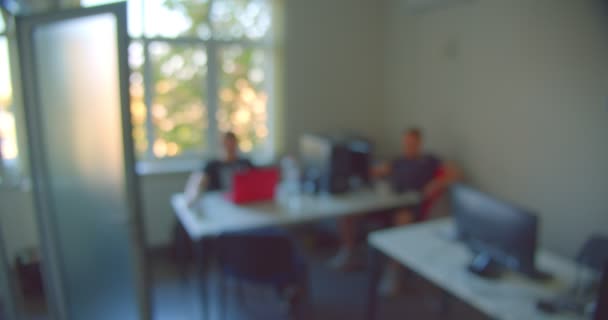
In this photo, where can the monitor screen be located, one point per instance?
(360, 159)
(500, 230)
(315, 154)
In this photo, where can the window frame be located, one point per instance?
(148, 163)
(3, 34)
(10, 172)
(3, 18)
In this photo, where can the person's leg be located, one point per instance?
(390, 284)
(404, 216)
(348, 233)
(345, 258)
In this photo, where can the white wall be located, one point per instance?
(516, 91)
(159, 218)
(17, 221)
(334, 52)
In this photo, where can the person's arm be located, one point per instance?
(381, 170)
(197, 182)
(451, 174)
(249, 164)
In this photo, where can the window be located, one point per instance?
(8, 140)
(207, 68)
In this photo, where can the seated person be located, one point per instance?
(412, 171)
(217, 174)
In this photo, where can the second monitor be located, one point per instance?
(334, 164)
(500, 235)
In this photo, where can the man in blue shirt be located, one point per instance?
(414, 170)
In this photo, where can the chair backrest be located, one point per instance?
(428, 203)
(256, 257)
(594, 253)
(601, 303)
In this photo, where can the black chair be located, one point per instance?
(601, 302)
(594, 253)
(267, 257)
(593, 256)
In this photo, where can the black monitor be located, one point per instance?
(499, 234)
(334, 164)
(360, 152)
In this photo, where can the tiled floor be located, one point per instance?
(334, 295)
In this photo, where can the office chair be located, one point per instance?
(267, 257)
(601, 302)
(593, 256)
(427, 204)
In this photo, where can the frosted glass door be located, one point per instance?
(82, 161)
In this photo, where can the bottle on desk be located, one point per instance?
(289, 192)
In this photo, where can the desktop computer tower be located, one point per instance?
(334, 164)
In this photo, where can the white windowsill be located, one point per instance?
(167, 166)
(184, 165)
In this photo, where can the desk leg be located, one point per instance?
(202, 254)
(444, 306)
(375, 270)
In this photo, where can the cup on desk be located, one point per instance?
(289, 195)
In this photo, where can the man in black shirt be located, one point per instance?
(217, 174)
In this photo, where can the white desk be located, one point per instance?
(426, 250)
(214, 214)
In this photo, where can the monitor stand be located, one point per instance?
(484, 266)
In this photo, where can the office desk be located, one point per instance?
(427, 250)
(214, 215)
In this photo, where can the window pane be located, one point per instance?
(249, 19)
(178, 110)
(244, 95)
(134, 11)
(8, 139)
(138, 106)
(179, 18)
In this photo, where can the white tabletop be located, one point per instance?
(427, 250)
(214, 214)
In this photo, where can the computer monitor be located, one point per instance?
(360, 152)
(315, 157)
(500, 235)
(334, 164)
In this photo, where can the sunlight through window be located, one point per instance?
(8, 138)
(171, 72)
